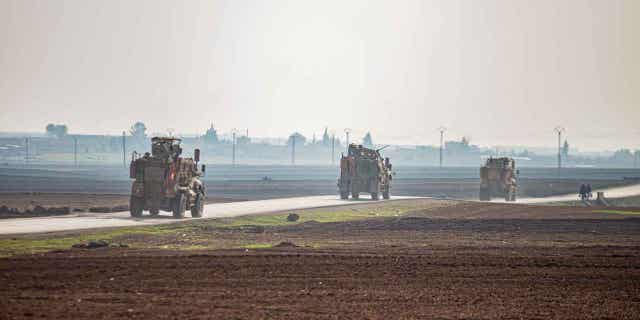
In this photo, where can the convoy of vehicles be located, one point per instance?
(166, 181)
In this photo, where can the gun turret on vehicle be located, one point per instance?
(364, 170)
(499, 178)
(166, 181)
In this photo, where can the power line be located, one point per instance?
(347, 131)
(233, 150)
(441, 130)
(124, 150)
(333, 148)
(559, 130)
(26, 150)
(293, 149)
(75, 151)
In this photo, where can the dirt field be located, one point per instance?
(403, 259)
(250, 186)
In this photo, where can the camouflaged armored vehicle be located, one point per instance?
(499, 178)
(363, 170)
(165, 181)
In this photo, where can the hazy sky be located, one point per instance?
(504, 72)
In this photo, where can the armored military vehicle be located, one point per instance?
(363, 170)
(499, 178)
(165, 181)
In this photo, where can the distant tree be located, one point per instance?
(57, 130)
(300, 139)
(525, 153)
(459, 147)
(243, 140)
(211, 136)
(138, 131)
(622, 155)
(367, 142)
(465, 141)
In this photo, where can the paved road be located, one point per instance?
(232, 209)
(122, 219)
(618, 192)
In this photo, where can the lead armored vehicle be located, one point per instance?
(166, 181)
(499, 178)
(364, 170)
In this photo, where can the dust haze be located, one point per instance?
(502, 72)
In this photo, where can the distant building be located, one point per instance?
(211, 136)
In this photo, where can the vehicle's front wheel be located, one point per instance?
(198, 206)
(508, 197)
(484, 194)
(179, 206)
(375, 196)
(136, 206)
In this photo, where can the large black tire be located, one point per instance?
(385, 195)
(484, 194)
(154, 211)
(375, 196)
(344, 195)
(198, 206)
(179, 204)
(136, 206)
(355, 195)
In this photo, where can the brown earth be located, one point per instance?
(460, 260)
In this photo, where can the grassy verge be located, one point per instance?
(203, 234)
(44, 243)
(618, 212)
(614, 202)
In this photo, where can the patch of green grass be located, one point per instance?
(322, 216)
(258, 246)
(617, 212)
(44, 243)
(185, 247)
(38, 244)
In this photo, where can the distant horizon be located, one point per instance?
(541, 149)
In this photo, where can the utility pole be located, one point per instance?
(124, 150)
(347, 131)
(293, 149)
(26, 151)
(333, 148)
(233, 151)
(559, 130)
(75, 151)
(442, 130)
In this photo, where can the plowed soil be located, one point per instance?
(463, 261)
